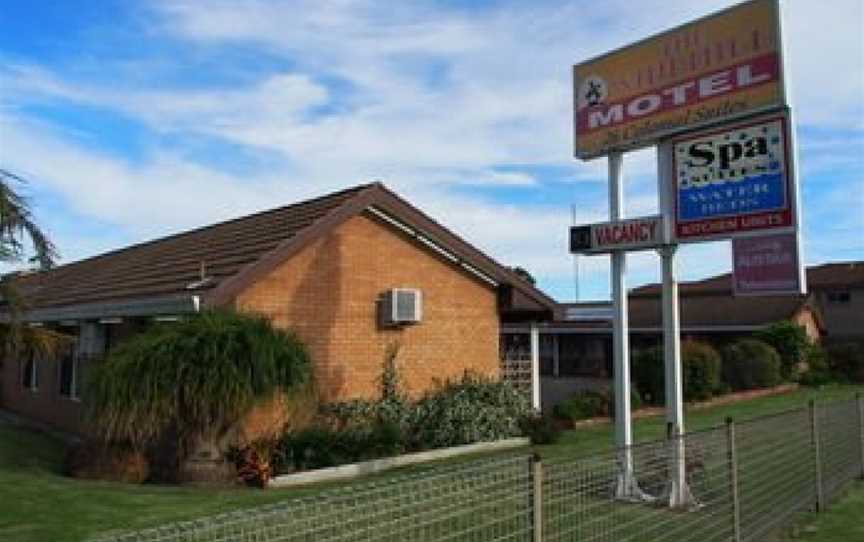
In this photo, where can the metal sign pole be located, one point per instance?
(626, 486)
(678, 492)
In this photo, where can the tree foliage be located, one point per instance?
(20, 237)
(192, 378)
(790, 341)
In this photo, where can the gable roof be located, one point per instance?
(829, 275)
(232, 255)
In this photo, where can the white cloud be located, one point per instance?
(436, 99)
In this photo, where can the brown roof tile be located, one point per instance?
(829, 275)
(238, 252)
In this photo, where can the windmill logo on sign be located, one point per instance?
(593, 91)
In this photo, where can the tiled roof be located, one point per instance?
(825, 276)
(169, 265)
(233, 254)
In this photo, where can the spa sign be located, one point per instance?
(722, 67)
(733, 180)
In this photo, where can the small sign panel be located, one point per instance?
(722, 67)
(630, 234)
(733, 180)
(767, 265)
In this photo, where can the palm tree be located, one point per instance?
(21, 239)
(190, 386)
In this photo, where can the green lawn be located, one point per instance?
(599, 437)
(37, 503)
(841, 523)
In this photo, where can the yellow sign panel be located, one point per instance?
(724, 66)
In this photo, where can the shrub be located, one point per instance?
(541, 429)
(818, 372)
(701, 365)
(846, 361)
(320, 447)
(583, 405)
(751, 363)
(474, 409)
(648, 374)
(792, 344)
(591, 404)
(700, 370)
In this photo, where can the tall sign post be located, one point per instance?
(712, 96)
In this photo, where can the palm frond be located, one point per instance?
(17, 225)
(196, 377)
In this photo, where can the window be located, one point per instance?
(30, 374)
(69, 375)
(839, 297)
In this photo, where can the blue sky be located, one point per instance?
(137, 119)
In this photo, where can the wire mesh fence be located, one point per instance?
(737, 482)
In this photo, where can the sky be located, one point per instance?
(136, 119)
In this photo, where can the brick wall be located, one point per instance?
(328, 293)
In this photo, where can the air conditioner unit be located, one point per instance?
(402, 306)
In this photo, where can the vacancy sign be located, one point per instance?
(733, 180)
(604, 237)
(766, 265)
(722, 67)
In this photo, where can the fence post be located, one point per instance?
(859, 399)
(732, 456)
(817, 455)
(537, 497)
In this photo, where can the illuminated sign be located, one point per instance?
(733, 180)
(722, 67)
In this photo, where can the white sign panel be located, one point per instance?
(733, 180)
(631, 234)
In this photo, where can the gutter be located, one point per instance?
(172, 305)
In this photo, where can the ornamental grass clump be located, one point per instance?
(193, 380)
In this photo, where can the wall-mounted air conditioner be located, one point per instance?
(402, 306)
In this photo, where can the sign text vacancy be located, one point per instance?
(733, 180)
(631, 234)
(724, 66)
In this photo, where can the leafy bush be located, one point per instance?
(792, 344)
(648, 374)
(818, 372)
(700, 370)
(474, 409)
(541, 429)
(846, 361)
(750, 364)
(591, 404)
(701, 365)
(583, 405)
(320, 447)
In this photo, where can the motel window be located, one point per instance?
(69, 375)
(30, 374)
(547, 355)
(839, 297)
